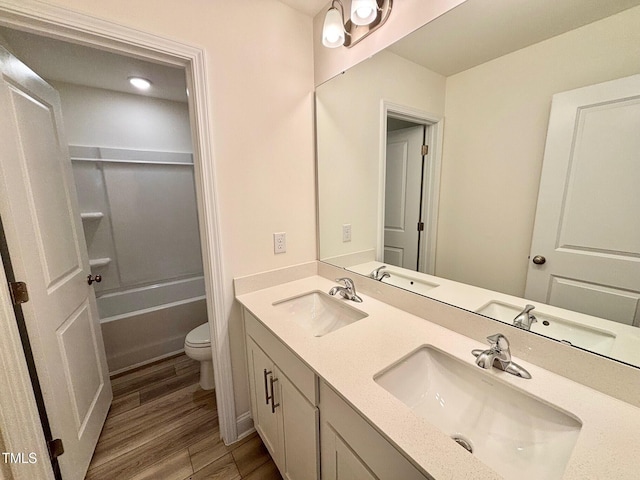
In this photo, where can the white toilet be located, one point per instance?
(197, 345)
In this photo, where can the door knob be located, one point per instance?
(539, 260)
(91, 279)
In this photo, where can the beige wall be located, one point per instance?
(259, 57)
(496, 122)
(407, 16)
(348, 128)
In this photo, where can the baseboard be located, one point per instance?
(244, 425)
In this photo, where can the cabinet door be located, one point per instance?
(342, 463)
(267, 422)
(300, 426)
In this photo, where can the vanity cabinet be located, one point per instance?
(284, 398)
(351, 449)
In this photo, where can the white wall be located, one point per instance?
(348, 127)
(496, 122)
(259, 57)
(104, 118)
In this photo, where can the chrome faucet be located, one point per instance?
(499, 356)
(376, 275)
(524, 319)
(348, 291)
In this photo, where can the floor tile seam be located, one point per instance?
(170, 398)
(202, 415)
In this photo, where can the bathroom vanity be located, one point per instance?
(367, 390)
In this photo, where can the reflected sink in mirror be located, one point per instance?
(519, 436)
(409, 282)
(318, 312)
(597, 340)
(399, 277)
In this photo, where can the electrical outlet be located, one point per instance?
(279, 242)
(346, 232)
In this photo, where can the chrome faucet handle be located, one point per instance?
(525, 319)
(375, 274)
(499, 341)
(500, 345)
(347, 282)
(499, 356)
(348, 291)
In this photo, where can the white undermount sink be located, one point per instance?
(318, 312)
(519, 436)
(597, 340)
(409, 282)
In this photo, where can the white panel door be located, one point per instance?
(403, 184)
(587, 223)
(39, 209)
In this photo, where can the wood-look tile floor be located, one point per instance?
(163, 426)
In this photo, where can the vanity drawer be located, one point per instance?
(288, 362)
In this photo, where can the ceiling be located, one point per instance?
(457, 40)
(308, 7)
(60, 61)
(443, 46)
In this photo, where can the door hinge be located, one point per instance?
(19, 293)
(425, 149)
(55, 448)
(421, 226)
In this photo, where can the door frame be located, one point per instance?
(51, 21)
(431, 188)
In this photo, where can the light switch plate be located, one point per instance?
(346, 232)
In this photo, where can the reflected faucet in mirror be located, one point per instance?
(524, 319)
(376, 275)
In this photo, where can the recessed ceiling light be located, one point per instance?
(140, 83)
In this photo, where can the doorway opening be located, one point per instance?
(409, 187)
(56, 22)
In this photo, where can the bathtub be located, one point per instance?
(145, 324)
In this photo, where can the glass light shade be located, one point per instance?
(140, 83)
(333, 29)
(363, 12)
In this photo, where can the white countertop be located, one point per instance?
(347, 359)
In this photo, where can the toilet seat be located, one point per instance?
(199, 337)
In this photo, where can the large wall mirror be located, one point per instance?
(491, 160)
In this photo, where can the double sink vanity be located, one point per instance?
(342, 389)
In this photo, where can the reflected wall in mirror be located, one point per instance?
(506, 177)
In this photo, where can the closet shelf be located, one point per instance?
(91, 215)
(99, 262)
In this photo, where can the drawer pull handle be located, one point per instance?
(266, 387)
(273, 404)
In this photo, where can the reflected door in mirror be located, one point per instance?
(588, 189)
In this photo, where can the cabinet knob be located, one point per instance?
(91, 279)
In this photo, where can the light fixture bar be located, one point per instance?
(366, 17)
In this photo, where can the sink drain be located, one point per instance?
(463, 442)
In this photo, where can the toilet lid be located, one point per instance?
(199, 336)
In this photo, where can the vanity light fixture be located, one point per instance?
(366, 17)
(363, 12)
(140, 83)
